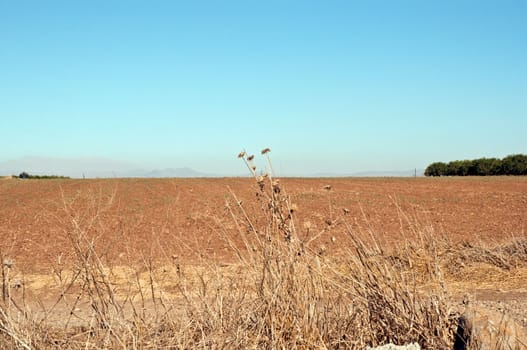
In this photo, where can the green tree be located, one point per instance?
(459, 167)
(436, 169)
(485, 167)
(515, 164)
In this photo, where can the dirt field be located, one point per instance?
(147, 231)
(185, 217)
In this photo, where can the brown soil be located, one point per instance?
(183, 219)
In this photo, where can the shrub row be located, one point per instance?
(515, 164)
(25, 175)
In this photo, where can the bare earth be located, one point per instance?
(184, 219)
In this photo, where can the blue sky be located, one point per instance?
(330, 86)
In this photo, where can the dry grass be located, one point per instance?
(282, 293)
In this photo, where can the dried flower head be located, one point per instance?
(346, 211)
(327, 187)
(276, 186)
(8, 262)
(241, 154)
(266, 150)
(250, 158)
(253, 167)
(17, 284)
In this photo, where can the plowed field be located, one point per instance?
(132, 219)
(138, 237)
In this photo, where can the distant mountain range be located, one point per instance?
(168, 172)
(107, 168)
(89, 168)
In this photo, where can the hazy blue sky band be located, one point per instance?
(332, 86)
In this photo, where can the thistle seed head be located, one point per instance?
(17, 284)
(9, 263)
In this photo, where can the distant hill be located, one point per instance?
(385, 173)
(89, 168)
(168, 172)
(72, 167)
(109, 168)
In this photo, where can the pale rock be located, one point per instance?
(486, 329)
(413, 346)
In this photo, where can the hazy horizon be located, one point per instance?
(108, 168)
(333, 87)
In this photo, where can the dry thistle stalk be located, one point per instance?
(276, 202)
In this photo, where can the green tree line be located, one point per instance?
(515, 164)
(24, 175)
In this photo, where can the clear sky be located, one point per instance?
(329, 86)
